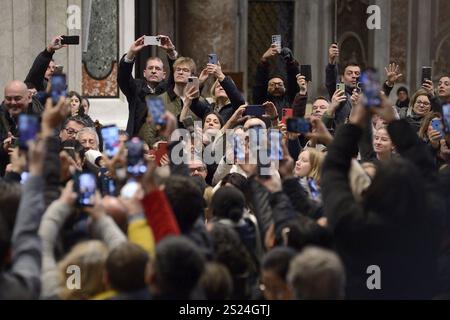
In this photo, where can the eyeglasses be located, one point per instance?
(184, 70)
(423, 103)
(276, 84)
(71, 131)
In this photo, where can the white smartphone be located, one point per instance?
(152, 41)
(129, 190)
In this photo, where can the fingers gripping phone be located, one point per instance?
(193, 82)
(70, 40)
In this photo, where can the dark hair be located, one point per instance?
(217, 115)
(77, 119)
(30, 85)
(278, 260)
(216, 282)
(350, 64)
(228, 203)
(10, 194)
(87, 100)
(277, 75)
(304, 231)
(408, 203)
(178, 266)
(231, 252)
(126, 266)
(237, 180)
(402, 89)
(186, 200)
(76, 94)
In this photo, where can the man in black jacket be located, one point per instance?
(274, 89)
(154, 82)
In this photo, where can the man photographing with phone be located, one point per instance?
(155, 81)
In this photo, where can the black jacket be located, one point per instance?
(260, 94)
(136, 90)
(36, 75)
(405, 252)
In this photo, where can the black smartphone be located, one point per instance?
(70, 40)
(136, 164)
(298, 125)
(305, 70)
(446, 117)
(370, 79)
(426, 74)
(111, 140)
(254, 111)
(85, 186)
(59, 87)
(28, 130)
(212, 58)
(156, 109)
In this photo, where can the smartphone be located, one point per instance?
(152, 41)
(212, 58)
(156, 109)
(193, 82)
(287, 113)
(59, 87)
(70, 40)
(14, 142)
(426, 73)
(275, 140)
(129, 190)
(370, 80)
(446, 117)
(254, 111)
(276, 40)
(107, 185)
(136, 164)
(340, 86)
(298, 125)
(161, 151)
(111, 140)
(436, 124)
(305, 70)
(24, 177)
(85, 186)
(28, 130)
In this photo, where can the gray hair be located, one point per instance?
(317, 274)
(90, 131)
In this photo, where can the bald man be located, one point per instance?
(17, 101)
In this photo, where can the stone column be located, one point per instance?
(379, 50)
(6, 49)
(314, 20)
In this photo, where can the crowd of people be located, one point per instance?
(367, 186)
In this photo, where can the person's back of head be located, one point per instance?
(231, 252)
(274, 269)
(9, 204)
(177, 268)
(303, 232)
(228, 203)
(186, 200)
(216, 282)
(126, 266)
(317, 274)
(407, 203)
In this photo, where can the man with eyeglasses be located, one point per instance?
(154, 82)
(71, 128)
(273, 88)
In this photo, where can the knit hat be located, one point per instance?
(228, 203)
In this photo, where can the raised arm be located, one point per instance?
(331, 70)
